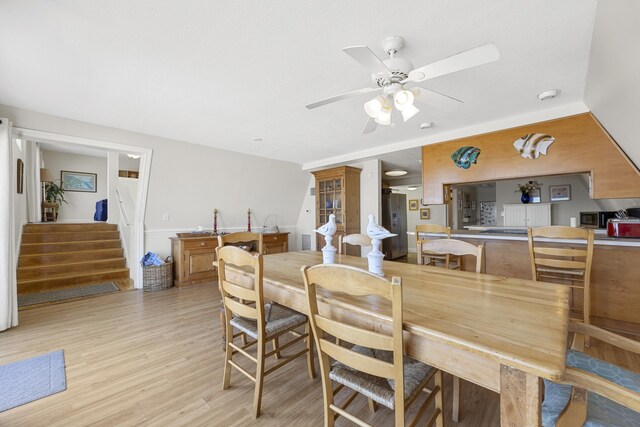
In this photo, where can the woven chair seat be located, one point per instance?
(600, 410)
(381, 390)
(278, 318)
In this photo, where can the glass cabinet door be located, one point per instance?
(330, 200)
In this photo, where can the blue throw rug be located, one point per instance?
(31, 379)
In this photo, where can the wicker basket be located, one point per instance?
(157, 277)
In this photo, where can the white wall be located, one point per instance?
(612, 90)
(188, 181)
(437, 213)
(80, 206)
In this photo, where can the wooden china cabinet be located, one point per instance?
(338, 193)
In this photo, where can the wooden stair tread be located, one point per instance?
(92, 261)
(69, 253)
(73, 275)
(67, 243)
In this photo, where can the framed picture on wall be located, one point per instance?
(413, 204)
(79, 181)
(425, 213)
(559, 193)
(534, 195)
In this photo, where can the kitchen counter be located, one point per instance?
(515, 233)
(615, 289)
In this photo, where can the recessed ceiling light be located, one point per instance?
(256, 139)
(426, 125)
(395, 173)
(411, 188)
(549, 94)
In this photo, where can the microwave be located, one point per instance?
(596, 219)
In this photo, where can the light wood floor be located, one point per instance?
(135, 358)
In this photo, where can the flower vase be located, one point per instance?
(525, 198)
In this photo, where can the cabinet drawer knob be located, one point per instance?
(201, 243)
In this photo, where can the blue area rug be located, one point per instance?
(32, 379)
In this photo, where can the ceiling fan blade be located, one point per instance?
(461, 61)
(367, 59)
(370, 126)
(435, 99)
(344, 96)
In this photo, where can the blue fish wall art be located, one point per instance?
(464, 156)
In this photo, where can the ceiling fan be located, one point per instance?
(395, 80)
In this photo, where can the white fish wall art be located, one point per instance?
(532, 145)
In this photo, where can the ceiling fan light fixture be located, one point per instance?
(384, 116)
(409, 111)
(373, 107)
(403, 99)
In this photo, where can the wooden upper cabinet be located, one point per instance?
(338, 193)
(581, 145)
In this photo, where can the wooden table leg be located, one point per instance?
(520, 398)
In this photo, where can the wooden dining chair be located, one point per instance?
(567, 265)
(251, 242)
(361, 240)
(459, 248)
(246, 311)
(375, 366)
(593, 392)
(437, 232)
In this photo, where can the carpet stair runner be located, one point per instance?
(57, 256)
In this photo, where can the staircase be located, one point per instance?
(56, 256)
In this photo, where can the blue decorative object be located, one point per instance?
(464, 156)
(525, 198)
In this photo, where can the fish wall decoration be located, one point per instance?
(532, 145)
(464, 156)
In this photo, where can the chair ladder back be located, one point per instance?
(357, 361)
(238, 299)
(241, 237)
(353, 239)
(354, 334)
(456, 247)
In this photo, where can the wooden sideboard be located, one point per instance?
(193, 256)
(275, 243)
(193, 259)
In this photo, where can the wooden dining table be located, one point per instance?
(501, 333)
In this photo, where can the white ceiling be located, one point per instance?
(219, 73)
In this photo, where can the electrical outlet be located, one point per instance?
(165, 217)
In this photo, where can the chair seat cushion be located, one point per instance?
(600, 410)
(380, 389)
(278, 318)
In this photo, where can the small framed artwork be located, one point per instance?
(534, 195)
(559, 193)
(20, 169)
(413, 204)
(79, 181)
(425, 213)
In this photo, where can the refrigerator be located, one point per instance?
(394, 219)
